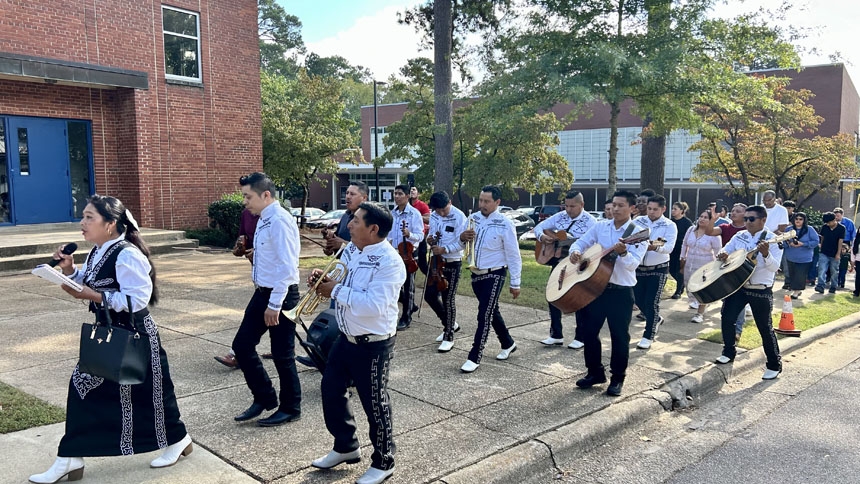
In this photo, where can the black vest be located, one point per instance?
(101, 276)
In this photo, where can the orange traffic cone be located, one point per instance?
(786, 321)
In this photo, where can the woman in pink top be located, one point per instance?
(699, 249)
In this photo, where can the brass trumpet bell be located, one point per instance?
(309, 303)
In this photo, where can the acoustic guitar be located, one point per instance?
(546, 251)
(720, 279)
(571, 286)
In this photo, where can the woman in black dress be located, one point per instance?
(679, 211)
(104, 418)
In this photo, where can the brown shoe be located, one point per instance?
(228, 360)
(266, 356)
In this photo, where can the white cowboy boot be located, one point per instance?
(173, 452)
(62, 467)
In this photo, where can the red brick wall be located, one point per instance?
(168, 151)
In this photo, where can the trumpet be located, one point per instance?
(469, 252)
(308, 304)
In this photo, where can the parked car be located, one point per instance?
(505, 208)
(328, 219)
(544, 212)
(522, 223)
(527, 211)
(310, 212)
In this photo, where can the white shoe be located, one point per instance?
(697, 318)
(552, 341)
(374, 476)
(469, 366)
(441, 337)
(576, 344)
(336, 458)
(723, 360)
(770, 374)
(505, 353)
(644, 344)
(445, 346)
(172, 453)
(694, 305)
(748, 312)
(73, 467)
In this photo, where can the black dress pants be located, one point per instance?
(443, 303)
(488, 287)
(614, 306)
(555, 327)
(283, 338)
(407, 297)
(761, 303)
(367, 365)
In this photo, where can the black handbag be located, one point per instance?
(113, 352)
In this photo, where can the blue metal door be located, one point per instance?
(39, 170)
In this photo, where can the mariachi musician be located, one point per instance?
(574, 222)
(408, 231)
(448, 222)
(615, 304)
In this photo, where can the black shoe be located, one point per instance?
(614, 388)
(414, 309)
(819, 290)
(677, 295)
(832, 290)
(589, 381)
(253, 411)
(855, 294)
(306, 361)
(403, 324)
(278, 418)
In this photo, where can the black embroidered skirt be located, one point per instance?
(104, 418)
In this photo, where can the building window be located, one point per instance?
(181, 44)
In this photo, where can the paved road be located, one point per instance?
(803, 428)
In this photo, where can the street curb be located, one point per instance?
(533, 460)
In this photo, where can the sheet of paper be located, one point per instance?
(52, 275)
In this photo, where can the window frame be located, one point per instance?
(196, 80)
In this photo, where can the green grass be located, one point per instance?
(19, 411)
(806, 316)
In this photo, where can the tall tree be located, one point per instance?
(280, 38)
(764, 138)
(305, 131)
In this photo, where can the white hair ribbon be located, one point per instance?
(130, 218)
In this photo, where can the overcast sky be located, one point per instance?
(366, 32)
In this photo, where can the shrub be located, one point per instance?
(225, 214)
(210, 237)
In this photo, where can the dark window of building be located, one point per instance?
(181, 43)
(79, 165)
(23, 152)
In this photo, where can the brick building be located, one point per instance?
(584, 142)
(155, 103)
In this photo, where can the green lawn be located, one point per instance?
(19, 411)
(806, 316)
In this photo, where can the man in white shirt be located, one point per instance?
(366, 307)
(496, 251)
(777, 215)
(615, 304)
(447, 222)
(575, 222)
(408, 227)
(652, 272)
(276, 276)
(757, 292)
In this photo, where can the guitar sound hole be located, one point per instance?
(583, 265)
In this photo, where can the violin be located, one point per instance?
(405, 249)
(436, 276)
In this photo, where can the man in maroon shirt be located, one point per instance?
(726, 232)
(424, 210)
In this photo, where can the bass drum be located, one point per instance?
(720, 279)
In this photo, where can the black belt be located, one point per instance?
(651, 268)
(367, 338)
(616, 286)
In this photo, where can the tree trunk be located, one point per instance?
(305, 195)
(444, 137)
(653, 162)
(612, 178)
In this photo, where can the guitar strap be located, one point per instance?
(629, 230)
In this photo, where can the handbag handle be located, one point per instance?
(109, 321)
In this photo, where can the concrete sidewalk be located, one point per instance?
(506, 422)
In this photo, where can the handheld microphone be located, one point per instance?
(69, 249)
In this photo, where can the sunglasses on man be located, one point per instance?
(751, 219)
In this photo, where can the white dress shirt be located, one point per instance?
(766, 267)
(776, 216)
(367, 297)
(276, 253)
(132, 274)
(660, 228)
(450, 227)
(605, 234)
(575, 227)
(414, 223)
(496, 245)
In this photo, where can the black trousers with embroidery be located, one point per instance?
(443, 303)
(283, 339)
(647, 292)
(761, 303)
(488, 287)
(614, 306)
(407, 297)
(367, 365)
